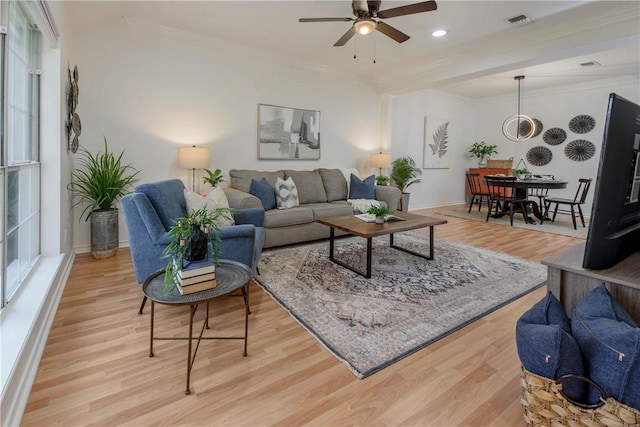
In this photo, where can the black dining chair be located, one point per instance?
(503, 195)
(541, 195)
(475, 188)
(576, 202)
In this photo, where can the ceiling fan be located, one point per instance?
(367, 19)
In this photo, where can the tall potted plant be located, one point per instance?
(96, 183)
(404, 173)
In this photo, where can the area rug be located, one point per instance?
(407, 304)
(562, 225)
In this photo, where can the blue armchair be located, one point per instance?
(149, 213)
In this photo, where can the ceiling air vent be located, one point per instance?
(591, 64)
(520, 20)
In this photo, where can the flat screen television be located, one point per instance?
(614, 231)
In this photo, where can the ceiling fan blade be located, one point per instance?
(389, 31)
(346, 37)
(325, 19)
(426, 6)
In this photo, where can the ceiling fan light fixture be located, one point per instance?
(364, 26)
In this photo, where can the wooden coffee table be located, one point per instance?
(352, 225)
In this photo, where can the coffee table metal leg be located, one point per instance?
(332, 235)
(369, 249)
(409, 251)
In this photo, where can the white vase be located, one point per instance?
(379, 220)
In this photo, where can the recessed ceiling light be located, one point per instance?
(439, 33)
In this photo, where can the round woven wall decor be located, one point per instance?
(554, 136)
(539, 156)
(580, 150)
(525, 128)
(582, 124)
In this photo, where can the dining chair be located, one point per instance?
(504, 196)
(475, 188)
(541, 195)
(578, 200)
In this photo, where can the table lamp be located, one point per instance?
(193, 158)
(380, 160)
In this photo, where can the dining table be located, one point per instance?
(522, 186)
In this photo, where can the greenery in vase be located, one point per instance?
(100, 180)
(379, 211)
(176, 251)
(481, 149)
(382, 180)
(213, 178)
(404, 172)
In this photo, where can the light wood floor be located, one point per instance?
(96, 370)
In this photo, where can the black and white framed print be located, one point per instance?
(288, 133)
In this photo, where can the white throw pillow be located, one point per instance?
(286, 193)
(196, 201)
(217, 199)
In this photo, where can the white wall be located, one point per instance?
(149, 89)
(439, 186)
(478, 120)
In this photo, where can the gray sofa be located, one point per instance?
(323, 193)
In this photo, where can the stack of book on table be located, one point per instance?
(196, 276)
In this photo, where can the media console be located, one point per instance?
(570, 282)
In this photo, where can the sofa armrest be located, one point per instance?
(253, 216)
(388, 194)
(241, 200)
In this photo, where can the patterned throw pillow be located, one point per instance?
(286, 194)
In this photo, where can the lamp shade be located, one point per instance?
(193, 157)
(380, 160)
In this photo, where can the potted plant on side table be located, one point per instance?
(382, 180)
(194, 243)
(97, 182)
(482, 150)
(404, 172)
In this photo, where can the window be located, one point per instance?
(20, 168)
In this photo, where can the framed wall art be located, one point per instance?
(288, 133)
(436, 139)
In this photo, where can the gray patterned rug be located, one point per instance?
(407, 304)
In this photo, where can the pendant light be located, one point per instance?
(518, 119)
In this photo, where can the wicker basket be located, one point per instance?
(544, 405)
(500, 164)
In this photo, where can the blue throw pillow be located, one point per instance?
(610, 342)
(546, 347)
(263, 191)
(362, 188)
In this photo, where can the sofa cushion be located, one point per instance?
(240, 179)
(263, 191)
(276, 218)
(309, 185)
(167, 198)
(362, 188)
(286, 193)
(610, 342)
(328, 210)
(546, 347)
(335, 186)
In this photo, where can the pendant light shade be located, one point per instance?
(507, 127)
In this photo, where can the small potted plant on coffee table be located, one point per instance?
(380, 212)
